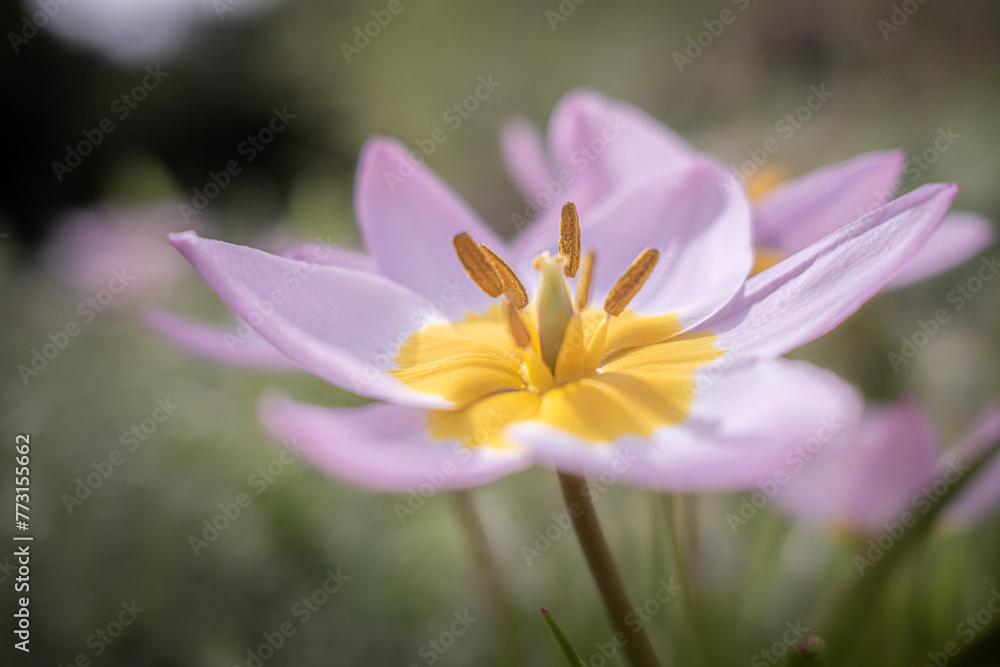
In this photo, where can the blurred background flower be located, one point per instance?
(87, 248)
(132, 32)
(253, 120)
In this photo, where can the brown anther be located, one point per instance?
(477, 264)
(569, 237)
(512, 287)
(517, 326)
(583, 282)
(631, 281)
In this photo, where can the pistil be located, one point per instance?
(565, 351)
(555, 307)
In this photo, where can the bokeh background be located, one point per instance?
(228, 65)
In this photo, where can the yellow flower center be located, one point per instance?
(763, 180)
(597, 373)
(765, 258)
(758, 184)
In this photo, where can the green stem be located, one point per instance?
(503, 615)
(680, 533)
(602, 566)
(849, 604)
(983, 650)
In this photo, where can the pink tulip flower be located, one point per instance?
(482, 363)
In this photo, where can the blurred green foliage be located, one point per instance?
(130, 540)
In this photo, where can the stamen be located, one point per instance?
(583, 283)
(512, 287)
(569, 237)
(477, 264)
(517, 326)
(631, 281)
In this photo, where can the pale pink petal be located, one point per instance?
(239, 346)
(384, 447)
(746, 426)
(870, 479)
(805, 209)
(899, 452)
(596, 144)
(408, 217)
(960, 236)
(524, 155)
(321, 253)
(703, 233)
(343, 326)
(701, 228)
(813, 291)
(982, 497)
(605, 142)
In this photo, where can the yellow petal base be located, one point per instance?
(614, 376)
(765, 258)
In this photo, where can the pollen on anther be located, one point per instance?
(583, 282)
(477, 264)
(569, 237)
(517, 326)
(631, 281)
(513, 289)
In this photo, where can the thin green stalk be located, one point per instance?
(572, 657)
(602, 566)
(840, 614)
(983, 650)
(680, 534)
(503, 615)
